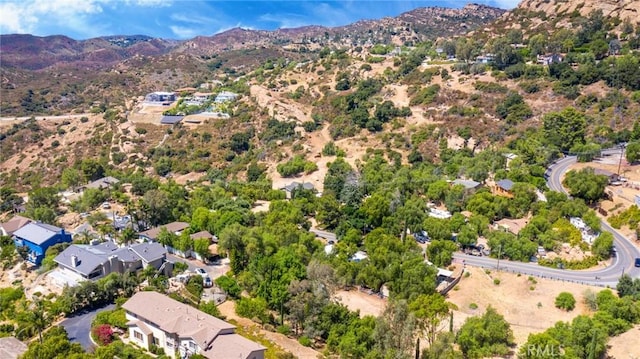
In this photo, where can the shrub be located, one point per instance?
(229, 285)
(84, 119)
(566, 301)
(141, 131)
(496, 281)
(180, 267)
(296, 166)
(329, 149)
(103, 334)
(473, 306)
(284, 329)
(309, 126)
(304, 340)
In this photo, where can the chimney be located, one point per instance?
(74, 261)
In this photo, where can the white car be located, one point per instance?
(201, 272)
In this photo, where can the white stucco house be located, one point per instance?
(182, 331)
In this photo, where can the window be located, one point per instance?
(156, 341)
(137, 335)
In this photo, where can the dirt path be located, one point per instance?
(228, 309)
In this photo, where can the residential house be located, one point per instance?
(226, 96)
(469, 185)
(170, 120)
(11, 348)
(12, 225)
(611, 177)
(181, 330)
(152, 234)
(549, 59)
(485, 59)
(213, 243)
(204, 234)
(102, 183)
(160, 97)
(90, 262)
(288, 189)
(504, 188)
(37, 238)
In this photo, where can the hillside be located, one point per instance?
(141, 64)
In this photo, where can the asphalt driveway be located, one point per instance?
(78, 327)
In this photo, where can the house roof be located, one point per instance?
(202, 234)
(92, 256)
(505, 184)
(231, 343)
(36, 232)
(143, 327)
(171, 227)
(104, 182)
(149, 252)
(14, 224)
(294, 185)
(171, 120)
(87, 260)
(603, 172)
(187, 322)
(468, 184)
(11, 348)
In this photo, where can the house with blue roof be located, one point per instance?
(37, 237)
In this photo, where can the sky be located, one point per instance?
(184, 19)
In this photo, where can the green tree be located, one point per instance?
(201, 247)
(603, 245)
(585, 184)
(156, 207)
(564, 129)
(395, 330)
(488, 335)
(430, 312)
(566, 301)
(440, 253)
(632, 152)
(71, 177)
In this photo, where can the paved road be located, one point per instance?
(324, 234)
(79, 327)
(214, 270)
(40, 118)
(626, 250)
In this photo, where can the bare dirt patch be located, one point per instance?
(367, 304)
(625, 346)
(228, 309)
(527, 304)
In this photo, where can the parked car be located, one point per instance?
(106, 205)
(201, 272)
(637, 264)
(207, 282)
(421, 237)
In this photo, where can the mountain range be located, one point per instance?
(33, 53)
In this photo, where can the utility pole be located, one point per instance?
(620, 161)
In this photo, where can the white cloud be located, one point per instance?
(15, 20)
(183, 32)
(150, 3)
(25, 16)
(193, 19)
(285, 20)
(33, 16)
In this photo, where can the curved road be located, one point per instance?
(623, 262)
